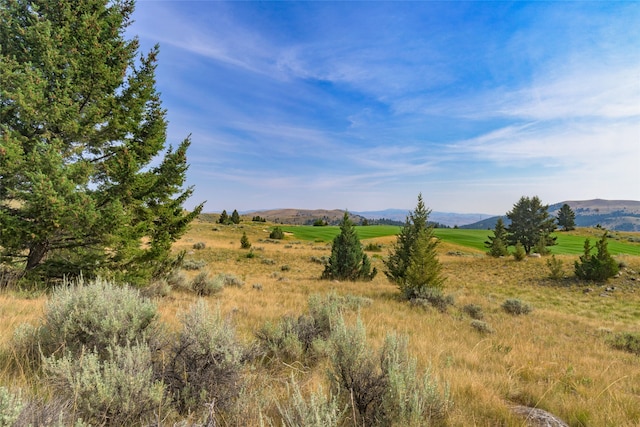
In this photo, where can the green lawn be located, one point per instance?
(567, 243)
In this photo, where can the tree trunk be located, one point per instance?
(37, 252)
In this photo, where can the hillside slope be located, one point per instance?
(618, 215)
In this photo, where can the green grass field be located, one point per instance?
(567, 243)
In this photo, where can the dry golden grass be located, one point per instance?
(555, 358)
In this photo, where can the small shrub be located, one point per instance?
(10, 407)
(354, 372)
(519, 253)
(119, 389)
(474, 311)
(626, 342)
(598, 267)
(556, 268)
(285, 268)
(244, 241)
(482, 327)
(250, 254)
(322, 260)
(177, 280)
(373, 247)
(318, 411)
(199, 245)
(204, 365)
(192, 264)
(516, 307)
(276, 233)
(268, 261)
(410, 399)
(97, 315)
(203, 285)
(230, 280)
(433, 297)
(157, 289)
(56, 412)
(385, 388)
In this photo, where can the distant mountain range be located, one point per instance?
(305, 216)
(618, 215)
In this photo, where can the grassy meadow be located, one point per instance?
(569, 243)
(556, 358)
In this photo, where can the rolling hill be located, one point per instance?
(618, 215)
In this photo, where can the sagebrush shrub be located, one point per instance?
(410, 399)
(95, 316)
(318, 411)
(355, 373)
(118, 389)
(204, 285)
(474, 311)
(204, 364)
(193, 264)
(11, 405)
(482, 327)
(385, 388)
(626, 341)
(55, 412)
(199, 245)
(516, 307)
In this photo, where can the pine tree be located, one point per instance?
(244, 241)
(566, 218)
(398, 262)
(529, 222)
(497, 244)
(423, 277)
(235, 217)
(598, 267)
(224, 218)
(348, 261)
(81, 126)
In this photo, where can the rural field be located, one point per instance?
(557, 358)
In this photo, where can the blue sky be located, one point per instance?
(363, 105)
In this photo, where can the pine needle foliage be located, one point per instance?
(497, 244)
(348, 260)
(83, 178)
(598, 267)
(413, 264)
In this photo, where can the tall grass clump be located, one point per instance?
(204, 363)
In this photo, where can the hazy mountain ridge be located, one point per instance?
(308, 216)
(618, 215)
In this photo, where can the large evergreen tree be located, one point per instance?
(82, 186)
(348, 260)
(566, 218)
(530, 222)
(235, 217)
(400, 254)
(497, 244)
